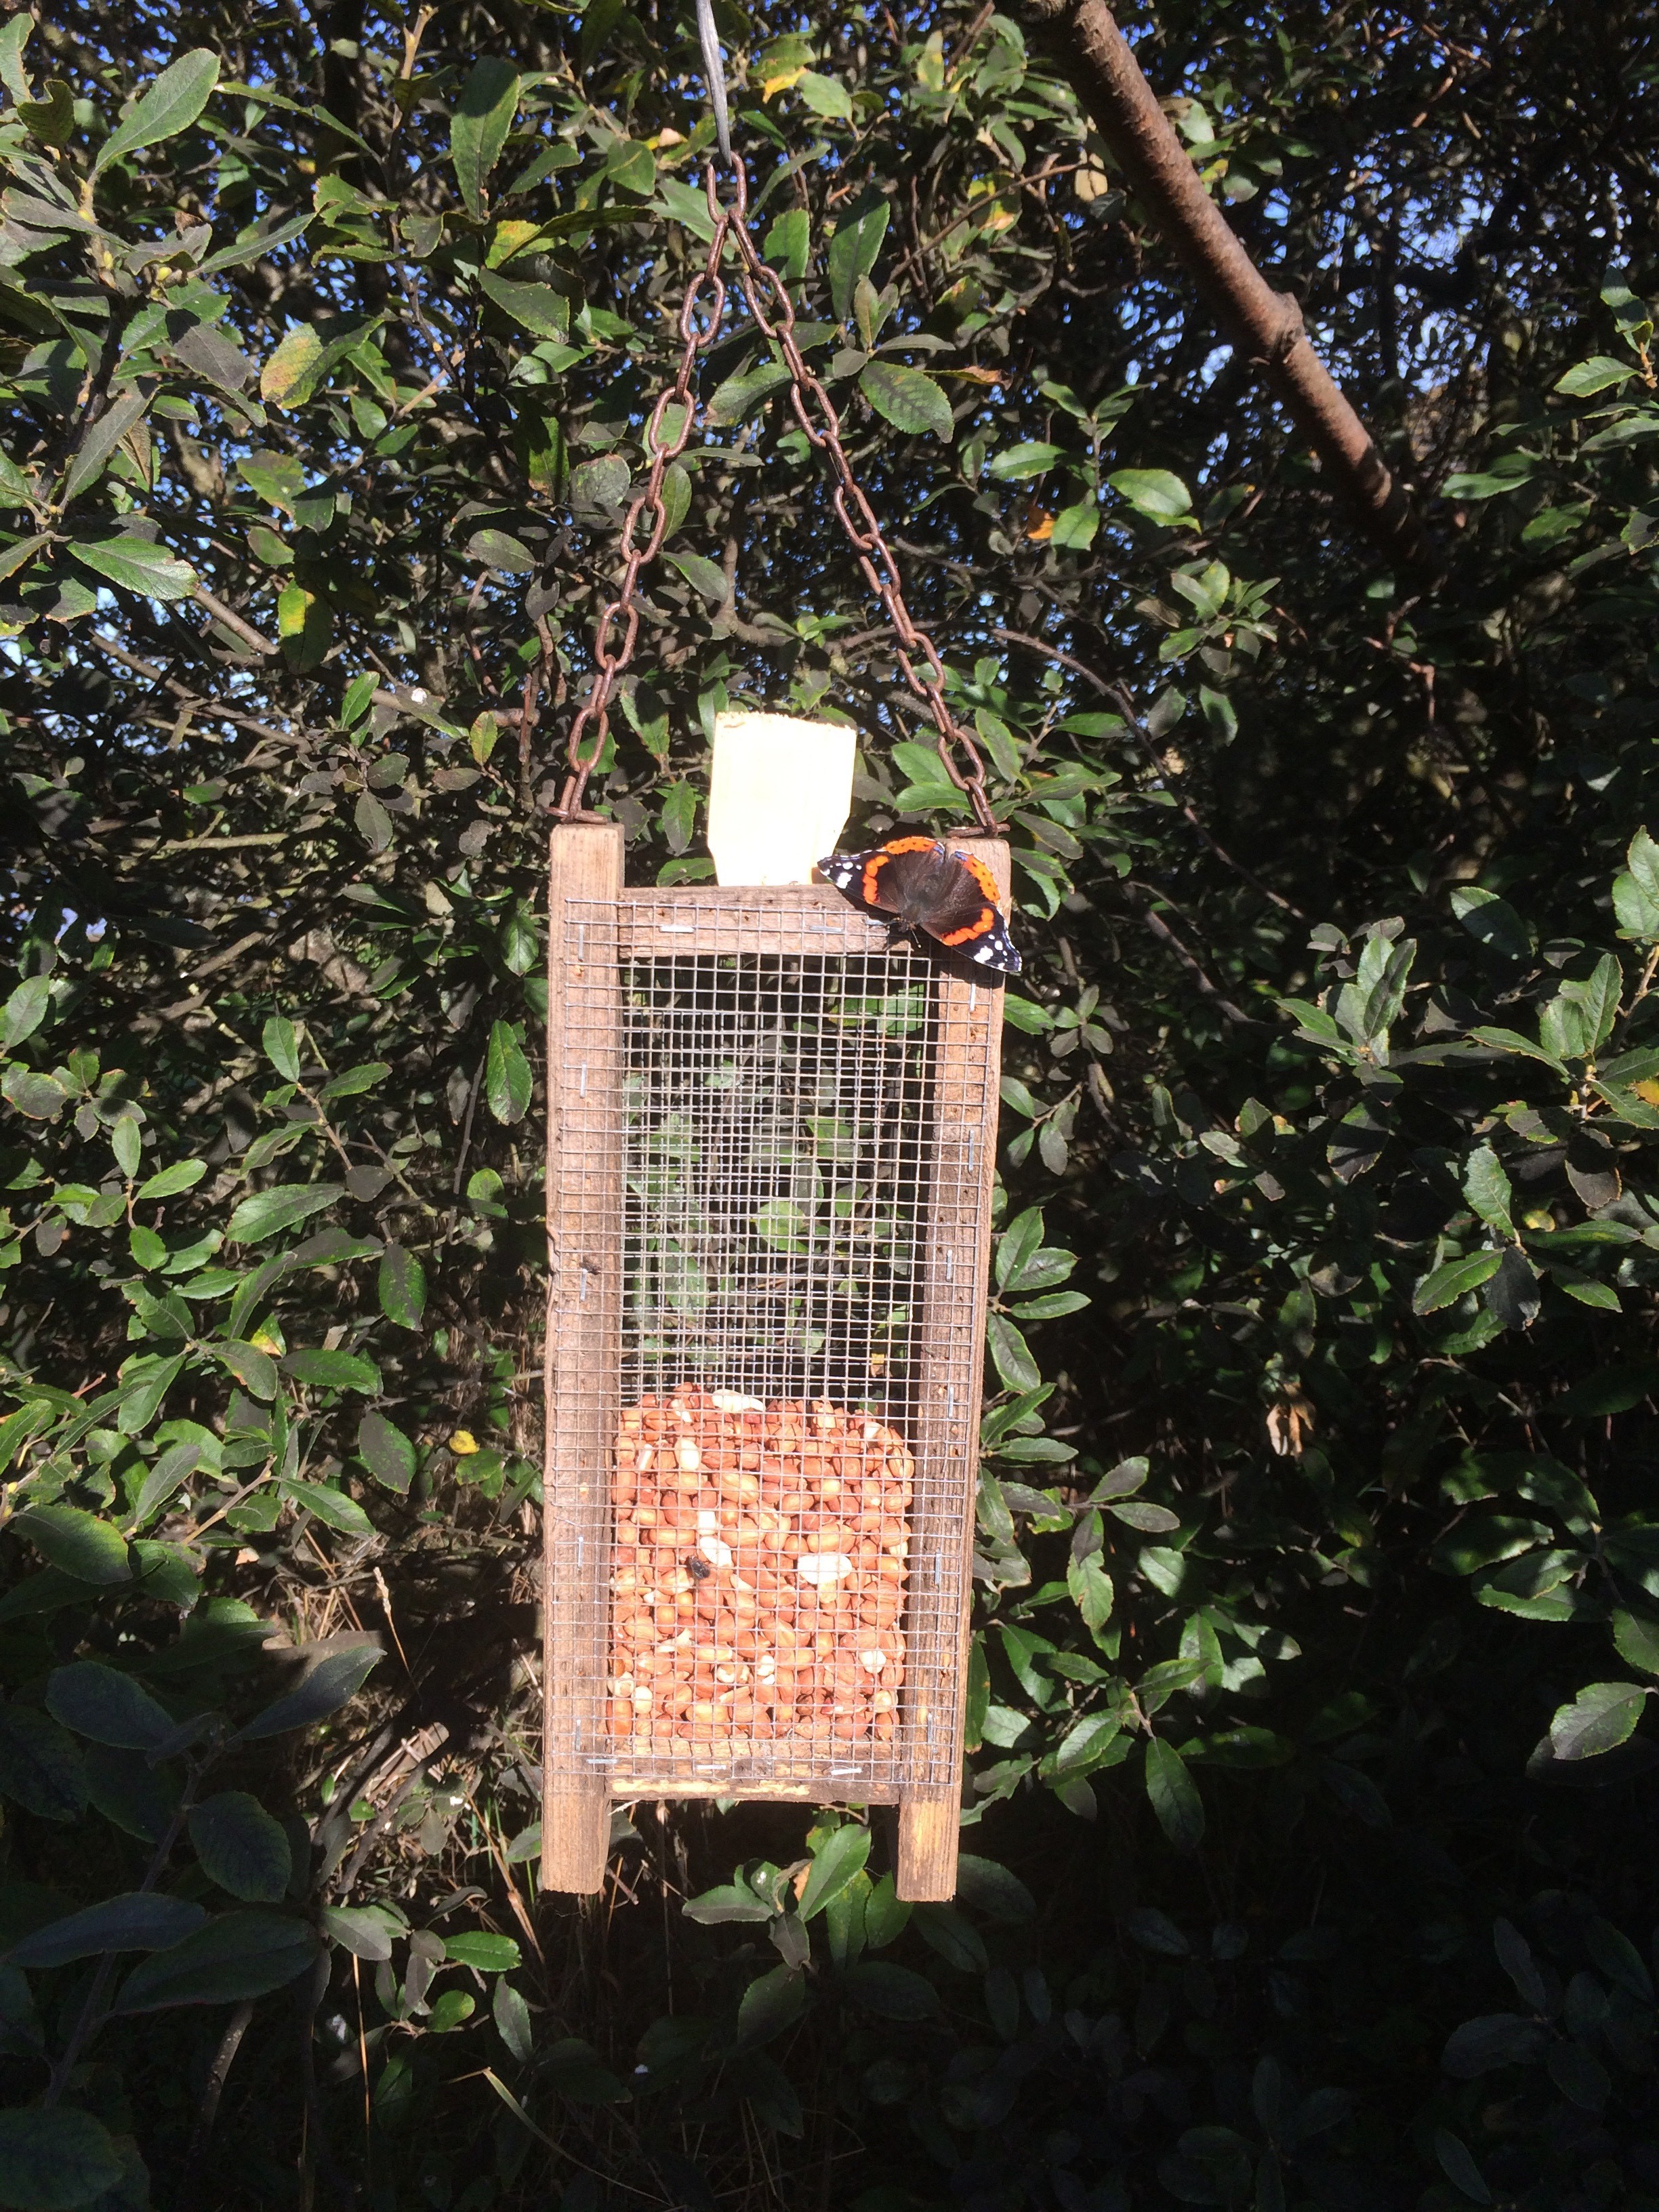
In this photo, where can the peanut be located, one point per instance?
(759, 1576)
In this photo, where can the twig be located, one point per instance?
(234, 623)
(1165, 936)
(1053, 652)
(1238, 867)
(208, 2110)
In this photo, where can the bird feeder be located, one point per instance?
(771, 1142)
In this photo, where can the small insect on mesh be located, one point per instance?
(769, 1161)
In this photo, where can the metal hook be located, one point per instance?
(715, 69)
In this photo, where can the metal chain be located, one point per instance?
(881, 573)
(698, 333)
(857, 517)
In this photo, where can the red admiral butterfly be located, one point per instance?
(924, 886)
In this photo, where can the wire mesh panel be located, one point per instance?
(768, 1208)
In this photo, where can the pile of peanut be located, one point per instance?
(759, 1575)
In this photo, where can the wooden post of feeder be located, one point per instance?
(584, 1312)
(963, 1161)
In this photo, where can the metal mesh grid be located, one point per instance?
(764, 1491)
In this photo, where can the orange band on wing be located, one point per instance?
(980, 874)
(981, 927)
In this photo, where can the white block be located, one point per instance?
(779, 796)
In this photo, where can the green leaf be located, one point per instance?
(1491, 921)
(238, 1955)
(241, 1847)
(742, 396)
(78, 1543)
(1022, 1238)
(489, 1954)
(852, 254)
(41, 1764)
(1487, 1187)
(1016, 462)
(1600, 1717)
(1012, 1354)
(909, 399)
(1455, 1281)
(730, 1901)
(55, 2158)
(281, 1042)
(574, 2071)
(1075, 527)
(511, 2017)
(386, 1452)
(1610, 1390)
(334, 1370)
(1596, 374)
(291, 375)
(841, 1855)
(499, 550)
(507, 1073)
(330, 1684)
(890, 1992)
(332, 1506)
(25, 1010)
(827, 96)
(172, 105)
(40, 1097)
(1636, 908)
(1510, 1041)
(138, 566)
(955, 1940)
(109, 1707)
(991, 1889)
(140, 1920)
(360, 1929)
(182, 1176)
(268, 1213)
(401, 1285)
(1643, 858)
(21, 552)
(1174, 1796)
(1154, 493)
(255, 1369)
(127, 407)
(703, 575)
(1596, 996)
(537, 307)
(1636, 1638)
(478, 129)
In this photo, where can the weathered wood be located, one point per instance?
(584, 1316)
(929, 1825)
(962, 1168)
(795, 918)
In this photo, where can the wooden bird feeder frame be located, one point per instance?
(771, 1142)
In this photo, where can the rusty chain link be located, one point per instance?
(857, 517)
(609, 664)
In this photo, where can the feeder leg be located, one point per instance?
(929, 1825)
(576, 1839)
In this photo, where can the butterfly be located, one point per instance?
(949, 896)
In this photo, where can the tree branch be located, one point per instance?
(1266, 327)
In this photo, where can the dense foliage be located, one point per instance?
(1319, 1570)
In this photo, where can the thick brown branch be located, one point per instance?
(1266, 325)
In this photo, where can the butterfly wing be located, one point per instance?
(963, 915)
(952, 897)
